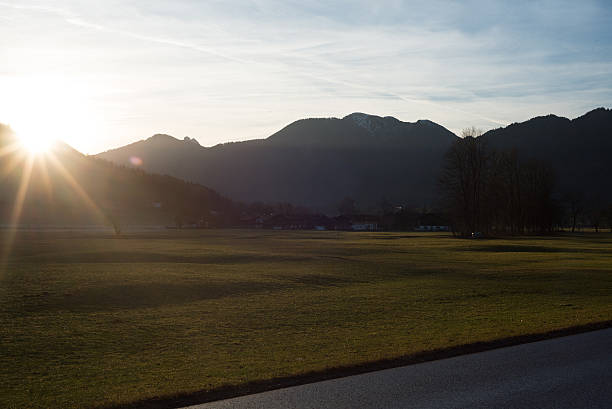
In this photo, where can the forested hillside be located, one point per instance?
(578, 150)
(63, 187)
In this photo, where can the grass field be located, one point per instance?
(89, 319)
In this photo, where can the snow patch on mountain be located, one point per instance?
(372, 123)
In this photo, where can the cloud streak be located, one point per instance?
(219, 70)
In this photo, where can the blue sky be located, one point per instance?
(104, 74)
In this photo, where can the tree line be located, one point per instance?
(484, 191)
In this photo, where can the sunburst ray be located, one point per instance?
(76, 186)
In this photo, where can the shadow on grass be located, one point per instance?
(411, 236)
(143, 295)
(323, 281)
(146, 257)
(512, 248)
(152, 295)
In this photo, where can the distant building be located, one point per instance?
(431, 228)
(364, 223)
(297, 222)
(357, 222)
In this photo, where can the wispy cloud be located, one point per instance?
(227, 70)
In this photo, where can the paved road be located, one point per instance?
(569, 372)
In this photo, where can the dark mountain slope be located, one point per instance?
(579, 150)
(318, 162)
(314, 162)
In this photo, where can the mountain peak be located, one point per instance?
(600, 113)
(162, 137)
(426, 122)
(372, 123)
(191, 140)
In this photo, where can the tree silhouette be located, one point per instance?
(488, 191)
(463, 181)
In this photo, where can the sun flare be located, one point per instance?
(45, 110)
(35, 143)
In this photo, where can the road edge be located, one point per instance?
(232, 391)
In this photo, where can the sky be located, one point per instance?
(102, 74)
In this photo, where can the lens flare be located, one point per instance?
(135, 160)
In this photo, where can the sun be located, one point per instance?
(35, 143)
(36, 133)
(43, 111)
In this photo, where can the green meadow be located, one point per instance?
(93, 320)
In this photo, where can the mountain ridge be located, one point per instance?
(318, 161)
(314, 162)
(358, 118)
(579, 149)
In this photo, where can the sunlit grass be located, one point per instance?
(91, 320)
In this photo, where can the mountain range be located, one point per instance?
(311, 162)
(318, 162)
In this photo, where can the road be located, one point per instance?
(569, 372)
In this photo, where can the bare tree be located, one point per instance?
(486, 191)
(463, 181)
(575, 203)
(114, 219)
(596, 212)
